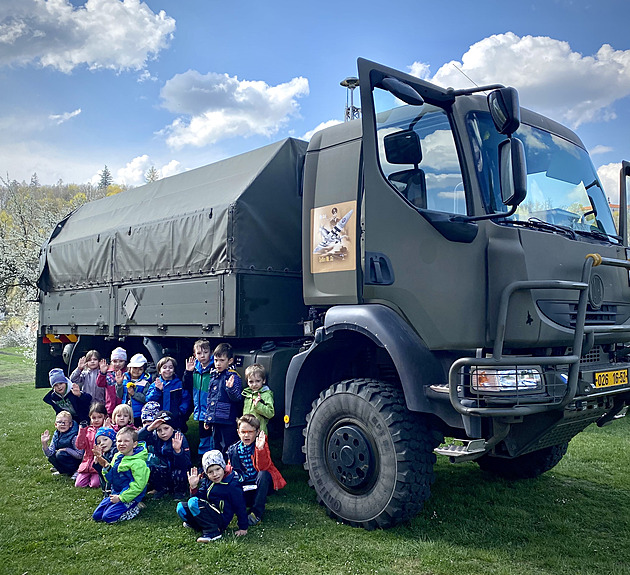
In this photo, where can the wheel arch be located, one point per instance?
(357, 341)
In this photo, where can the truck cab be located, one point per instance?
(477, 289)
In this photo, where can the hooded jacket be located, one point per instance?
(226, 496)
(264, 409)
(128, 475)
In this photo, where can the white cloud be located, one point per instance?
(321, 126)
(214, 106)
(61, 118)
(113, 34)
(550, 77)
(601, 150)
(134, 172)
(609, 177)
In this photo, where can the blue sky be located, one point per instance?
(177, 84)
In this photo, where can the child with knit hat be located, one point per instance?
(107, 377)
(105, 448)
(216, 498)
(66, 396)
(171, 449)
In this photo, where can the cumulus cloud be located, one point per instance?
(214, 106)
(61, 118)
(321, 126)
(601, 150)
(609, 177)
(112, 34)
(134, 172)
(550, 76)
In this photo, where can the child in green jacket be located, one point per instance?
(257, 395)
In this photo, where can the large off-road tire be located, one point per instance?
(526, 466)
(369, 459)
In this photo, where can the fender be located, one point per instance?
(416, 366)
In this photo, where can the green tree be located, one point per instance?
(106, 179)
(152, 175)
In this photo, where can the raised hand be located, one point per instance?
(230, 381)
(103, 366)
(193, 478)
(260, 440)
(82, 362)
(190, 364)
(119, 377)
(178, 439)
(76, 390)
(159, 384)
(45, 437)
(256, 399)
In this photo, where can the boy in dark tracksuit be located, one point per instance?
(172, 452)
(225, 402)
(216, 499)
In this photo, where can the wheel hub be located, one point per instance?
(350, 457)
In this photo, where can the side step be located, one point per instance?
(460, 450)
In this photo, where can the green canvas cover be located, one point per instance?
(242, 213)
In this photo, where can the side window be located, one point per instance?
(418, 157)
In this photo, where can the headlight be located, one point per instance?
(506, 380)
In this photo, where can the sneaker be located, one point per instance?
(55, 472)
(187, 525)
(53, 469)
(253, 520)
(74, 475)
(209, 536)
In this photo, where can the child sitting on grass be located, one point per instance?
(250, 461)
(128, 475)
(105, 447)
(170, 447)
(216, 499)
(62, 453)
(87, 476)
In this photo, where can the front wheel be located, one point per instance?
(369, 459)
(526, 466)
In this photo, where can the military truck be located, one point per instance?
(448, 266)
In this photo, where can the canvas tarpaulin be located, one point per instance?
(242, 213)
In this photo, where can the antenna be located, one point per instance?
(352, 112)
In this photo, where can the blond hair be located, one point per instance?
(123, 408)
(256, 368)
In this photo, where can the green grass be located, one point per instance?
(572, 520)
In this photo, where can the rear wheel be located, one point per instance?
(369, 459)
(526, 466)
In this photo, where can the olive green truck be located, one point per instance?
(446, 266)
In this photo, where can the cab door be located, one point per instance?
(418, 258)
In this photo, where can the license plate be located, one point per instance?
(611, 378)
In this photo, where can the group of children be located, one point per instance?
(119, 430)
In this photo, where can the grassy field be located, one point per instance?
(572, 520)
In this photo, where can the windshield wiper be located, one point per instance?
(542, 225)
(598, 234)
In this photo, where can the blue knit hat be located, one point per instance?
(107, 432)
(56, 376)
(150, 410)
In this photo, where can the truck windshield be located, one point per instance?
(563, 189)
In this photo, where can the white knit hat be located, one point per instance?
(214, 457)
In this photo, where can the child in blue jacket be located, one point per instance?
(168, 391)
(225, 402)
(216, 498)
(62, 453)
(172, 454)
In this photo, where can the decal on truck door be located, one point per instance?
(333, 236)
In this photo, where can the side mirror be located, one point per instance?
(403, 148)
(402, 91)
(512, 172)
(505, 110)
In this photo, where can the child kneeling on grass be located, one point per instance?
(216, 499)
(128, 476)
